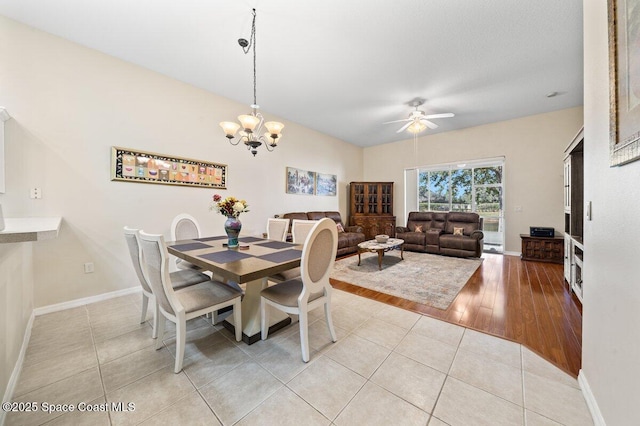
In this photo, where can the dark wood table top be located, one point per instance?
(256, 258)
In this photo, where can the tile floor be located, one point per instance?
(389, 366)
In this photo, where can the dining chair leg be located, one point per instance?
(304, 335)
(237, 319)
(145, 304)
(264, 320)
(181, 331)
(156, 314)
(161, 323)
(329, 320)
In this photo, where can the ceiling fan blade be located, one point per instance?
(429, 124)
(444, 115)
(397, 121)
(403, 128)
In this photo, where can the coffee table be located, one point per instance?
(381, 248)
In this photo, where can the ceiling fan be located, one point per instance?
(419, 120)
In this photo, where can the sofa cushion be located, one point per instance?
(469, 222)
(458, 231)
(458, 242)
(412, 237)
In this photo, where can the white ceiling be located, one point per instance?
(344, 67)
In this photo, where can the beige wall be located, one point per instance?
(533, 149)
(70, 104)
(611, 325)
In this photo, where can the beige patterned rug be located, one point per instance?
(428, 279)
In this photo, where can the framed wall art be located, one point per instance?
(148, 167)
(624, 77)
(300, 181)
(326, 184)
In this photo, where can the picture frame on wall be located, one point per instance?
(300, 181)
(131, 165)
(624, 78)
(326, 184)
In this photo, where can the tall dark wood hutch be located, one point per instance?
(371, 205)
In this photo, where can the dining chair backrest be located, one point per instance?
(277, 229)
(156, 259)
(300, 229)
(132, 238)
(318, 257)
(184, 227)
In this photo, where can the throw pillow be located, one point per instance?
(418, 228)
(340, 227)
(458, 231)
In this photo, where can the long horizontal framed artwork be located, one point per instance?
(148, 167)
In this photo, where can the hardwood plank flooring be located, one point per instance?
(523, 301)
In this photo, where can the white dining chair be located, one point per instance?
(299, 231)
(311, 290)
(185, 227)
(179, 279)
(277, 229)
(179, 306)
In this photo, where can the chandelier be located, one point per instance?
(252, 124)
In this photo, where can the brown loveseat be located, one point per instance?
(433, 232)
(347, 241)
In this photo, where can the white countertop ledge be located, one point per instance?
(17, 230)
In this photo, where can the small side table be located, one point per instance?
(381, 248)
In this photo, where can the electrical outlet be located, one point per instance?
(88, 268)
(36, 193)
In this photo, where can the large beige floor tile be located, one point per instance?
(450, 334)
(410, 380)
(427, 351)
(382, 333)
(284, 360)
(56, 368)
(374, 405)
(190, 410)
(462, 404)
(499, 379)
(237, 393)
(284, 408)
(194, 324)
(319, 337)
(494, 348)
(150, 395)
(125, 344)
(348, 318)
(556, 401)
(85, 386)
(59, 342)
(118, 325)
(74, 318)
(127, 369)
(358, 354)
(434, 421)
(197, 341)
(535, 364)
(327, 386)
(534, 419)
(213, 361)
(398, 317)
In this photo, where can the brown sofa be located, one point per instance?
(347, 241)
(437, 234)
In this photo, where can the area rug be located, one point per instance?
(428, 279)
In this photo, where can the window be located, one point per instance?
(472, 187)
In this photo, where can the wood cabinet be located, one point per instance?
(371, 207)
(574, 213)
(543, 249)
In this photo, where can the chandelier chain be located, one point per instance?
(252, 44)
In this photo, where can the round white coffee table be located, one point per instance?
(381, 248)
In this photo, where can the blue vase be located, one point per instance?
(232, 227)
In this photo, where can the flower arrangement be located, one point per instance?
(230, 206)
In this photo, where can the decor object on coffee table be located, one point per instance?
(422, 278)
(375, 246)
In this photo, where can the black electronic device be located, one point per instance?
(541, 231)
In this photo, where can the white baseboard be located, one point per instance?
(85, 301)
(598, 420)
(512, 253)
(17, 369)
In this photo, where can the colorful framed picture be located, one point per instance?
(326, 184)
(300, 181)
(147, 167)
(624, 78)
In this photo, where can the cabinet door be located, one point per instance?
(357, 198)
(568, 250)
(567, 185)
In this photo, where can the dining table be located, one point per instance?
(250, 263)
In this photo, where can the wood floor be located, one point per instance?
(526, 302)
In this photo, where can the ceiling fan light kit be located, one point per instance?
(419, 120)
(252, 124)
